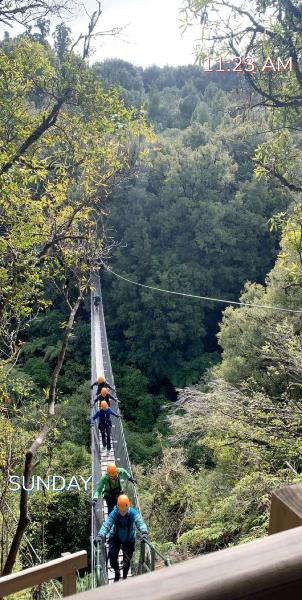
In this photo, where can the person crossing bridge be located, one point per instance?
(105, 395)
(111, 485)
(121, 525)
(104, 423)
(100, 383)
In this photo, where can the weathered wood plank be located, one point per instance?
(36, 575)
(286, 509)
(69, 579)
(267, 569)
(69, 583)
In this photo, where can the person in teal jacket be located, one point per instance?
(111, 485)
(120, 525)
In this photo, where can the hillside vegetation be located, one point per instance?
(170, 178)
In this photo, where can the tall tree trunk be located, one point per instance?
(38, 441)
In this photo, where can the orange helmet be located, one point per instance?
(101, 379)
(104, 405)
(112, 470)
(104, 392)
(123, 502)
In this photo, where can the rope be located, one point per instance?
(208, 298)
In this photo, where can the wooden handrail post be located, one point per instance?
(69, 580)
(286, 508)
(69, 583)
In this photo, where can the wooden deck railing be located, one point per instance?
(266, 569)
(286, 509)
(64, 567)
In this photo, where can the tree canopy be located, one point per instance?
(65, 143)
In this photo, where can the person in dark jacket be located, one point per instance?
(111, 485)
(105, 395)
(103, 415)
(101, 382)
(120, 525)
(97, 302)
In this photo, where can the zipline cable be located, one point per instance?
(208, 298)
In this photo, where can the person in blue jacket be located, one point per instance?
(120, 524)
(103, 415)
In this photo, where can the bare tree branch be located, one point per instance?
(24, 12)
(270, 170)
(48, 122)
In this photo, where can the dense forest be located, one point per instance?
(177, 179)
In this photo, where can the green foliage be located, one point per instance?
(207, 539)
(65, 141)
(43, 344)
(246, 420)
(169, 493)
(53, 180)
(264, 31)
(72, 414)
(71, 508)
(138, 406)
(143, 447)
(142, 411)
(61, 40)
(195, 223)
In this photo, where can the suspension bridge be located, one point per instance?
(268, 568)
(145, 555)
